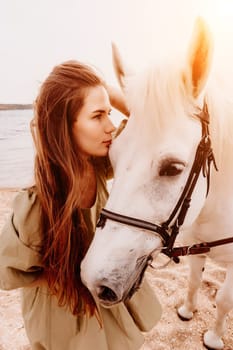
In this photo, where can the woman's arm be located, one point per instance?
(20, 261)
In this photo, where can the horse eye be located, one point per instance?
(171, 169)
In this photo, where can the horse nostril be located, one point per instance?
(107, 294)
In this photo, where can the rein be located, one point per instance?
(169, 229)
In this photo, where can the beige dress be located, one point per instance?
(49, 326)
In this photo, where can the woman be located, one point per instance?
(52, 224)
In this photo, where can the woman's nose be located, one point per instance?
(110, 126)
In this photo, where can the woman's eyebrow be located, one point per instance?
(102, 110)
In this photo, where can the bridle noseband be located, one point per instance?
(169, 229)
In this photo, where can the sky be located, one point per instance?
(35, 35)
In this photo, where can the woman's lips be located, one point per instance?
(108, 142)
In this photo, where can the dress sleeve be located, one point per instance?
(20, 262)
(144, 307)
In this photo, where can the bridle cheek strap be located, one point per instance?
(202, 162)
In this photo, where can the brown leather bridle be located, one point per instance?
(169, 229)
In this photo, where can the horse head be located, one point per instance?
(152, 160)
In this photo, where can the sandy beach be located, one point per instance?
(169, 284)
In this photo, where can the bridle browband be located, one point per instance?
(169, 229)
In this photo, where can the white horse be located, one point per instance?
(156, 177)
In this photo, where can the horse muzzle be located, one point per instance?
(111, 289)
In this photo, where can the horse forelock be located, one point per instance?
(157, 97)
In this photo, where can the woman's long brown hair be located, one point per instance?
(58, 170)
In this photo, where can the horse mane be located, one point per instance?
(220, 106)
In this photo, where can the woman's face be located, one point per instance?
(93, 128)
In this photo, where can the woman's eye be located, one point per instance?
(171, 169)
(97, 116)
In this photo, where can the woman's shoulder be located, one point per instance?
(26, 213)
(26, 195)
(25, 201)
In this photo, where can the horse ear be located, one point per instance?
(120, 68)
(199, 58)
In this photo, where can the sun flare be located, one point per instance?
(219, 14)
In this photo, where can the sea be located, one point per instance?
(17, 149)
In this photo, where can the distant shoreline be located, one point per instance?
(14, 106)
